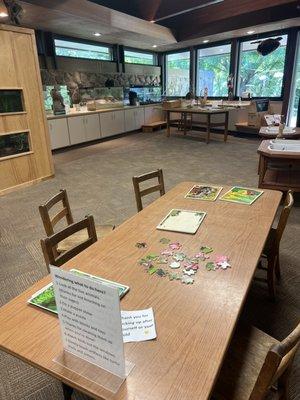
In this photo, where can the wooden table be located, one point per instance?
(205, 111)
(266, 135)
(194, 322)
(278, 170)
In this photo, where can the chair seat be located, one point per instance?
(242, 364)
(81, 236)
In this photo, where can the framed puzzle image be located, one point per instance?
(45, 297)
(184, 221)
(242, 195)
(208, 193)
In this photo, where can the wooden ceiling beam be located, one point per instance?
(227, 19)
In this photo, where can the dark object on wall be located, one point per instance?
(189, 96)
(109, 83)
(133, 98)
(267, 46)
(262, 105)
(15, 11)
(58, 102)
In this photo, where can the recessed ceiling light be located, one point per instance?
(97, 34)
(250, 32)
(3, 14)
(205, 41)
(155, 45)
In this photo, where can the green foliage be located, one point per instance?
(89, 54)
(217, 67)
(262, 75)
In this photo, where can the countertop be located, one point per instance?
(103, 110)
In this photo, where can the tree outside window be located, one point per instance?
(65, 48)
(178, 74)
(213, 68)
(137, 57)
(261, 75)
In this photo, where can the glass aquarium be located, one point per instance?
(14, 143)
(11, 101)
(110, 94)
(145, 94)
(48, 99)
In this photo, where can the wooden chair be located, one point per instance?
(65, 213)
(255, 362)
(50, 244)
(141, 178)
(271, 249)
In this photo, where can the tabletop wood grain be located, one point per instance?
(194, 322)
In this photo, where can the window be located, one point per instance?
(295, 93)
(178, 74)
(13, 144)
(261, 75)
(138, 57)
(11, 101)
(213, 65)
(65, 48)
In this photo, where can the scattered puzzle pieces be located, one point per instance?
(179, 256)
(175, 246)
(206, 249)
(189, 272)
(141, 245)
(175, 265)
(187, 280)
(210, 266)
(164, 241)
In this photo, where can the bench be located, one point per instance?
(153, 125)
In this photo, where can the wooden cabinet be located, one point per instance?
(22, 115)
(59, 133)
(112, 123)
(153, 114)
(134, 119)
(84, 128)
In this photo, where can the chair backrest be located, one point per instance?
(288, 204)
(50, 222)
(277, 362)
(49, 244)
(141, 178)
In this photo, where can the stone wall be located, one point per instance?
(75, 80)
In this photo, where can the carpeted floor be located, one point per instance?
(98, 181)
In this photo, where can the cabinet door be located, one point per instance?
(92, 127)
(107, 123)
(76, 129)
(130, 122)
(59, 133)
(119, 122)
(139, 117)
(153, 114)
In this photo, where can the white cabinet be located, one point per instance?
(112, 123)
(134, 119)
(92, 127)
(84, 128)
(59, 133)
(153, 114)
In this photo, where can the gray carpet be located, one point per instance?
(98, 181)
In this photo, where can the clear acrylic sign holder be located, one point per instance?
(99, 376)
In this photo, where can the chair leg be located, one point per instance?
(277, 268)
(67, 391)
(283, 381)
(270, 278)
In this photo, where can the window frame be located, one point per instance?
(206, 46)
(83, 41)
(264, 35)
(183, 50)
(153, 53)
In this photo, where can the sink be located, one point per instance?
(292, 146)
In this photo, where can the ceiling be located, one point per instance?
(165, 24)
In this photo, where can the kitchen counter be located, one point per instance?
(74, 113)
